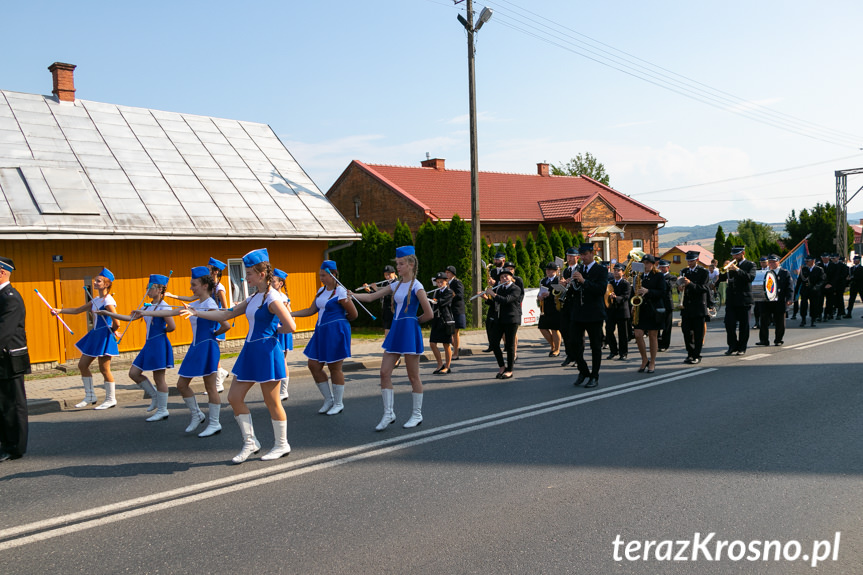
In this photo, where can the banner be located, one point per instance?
(793, 261)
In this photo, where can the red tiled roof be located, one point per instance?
(516, 197)
(704, 255)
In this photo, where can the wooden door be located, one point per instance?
(73, 282)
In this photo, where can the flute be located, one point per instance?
(482, 292)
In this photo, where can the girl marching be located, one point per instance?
(285, 339)
(261, 359)
(157, 354)
(202, 358)
(100, 342)
(330, 345)
(405, 337)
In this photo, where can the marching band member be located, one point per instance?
(507, 300)
(261, 360)
(758, 308)
(491, 313)
(405, 337)
(587, 283)
(741, 272)
(774, 311)
(100, 342)
(666, 328)
(285, 339)
(202, 358)
(651, 313)
(330, 345)
(695, 292)
(549, 319)
(520, 283)
(157, 355)
(442, 324)
(811, 280)
(458, 310)
(566, 309)
(618, 316)
(855, 285)
(386, 304)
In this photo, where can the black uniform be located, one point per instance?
(835, 278)
(550, 318)
(811, 282)
(387, 308)
(507, 300)
(653, 310)
(618, 319)
(443, 321)
(587, 315)
(458, 310)
(565, 318)
(14, 364)
(694, 312)
(855, 286)
(774, 311)
(491, 312)
(665, 329)
(739, 296)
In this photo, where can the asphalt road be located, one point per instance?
(531, 475)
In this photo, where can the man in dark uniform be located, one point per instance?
(826, 293)
(758, 308)
(855, 285)
(587, 283)
(671, 280)
(840, 282)
(618, 316)
(774, 311)
(14, 364)
(566, 309)
(491, 316)
(741, 272)
(458, 310)
(811, 282)
(694, 290)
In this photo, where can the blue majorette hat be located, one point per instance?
(217, 264)
(280, 274)
(329, 265)
(107, 274)
(405, 251)
(255, 257)
(200, 271)
(158, 280)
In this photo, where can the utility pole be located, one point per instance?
(842, 200)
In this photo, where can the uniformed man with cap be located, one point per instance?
(566, 308)
(14, 364)
(855, 284)
(774, 311)
(587, 283)
(694, 292)
(741, 273)
(839, 279)
(758, 308)
(491, 315)
(618, 315)
(811, 281)
(671, 281)
(826, 292)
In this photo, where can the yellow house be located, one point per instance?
(676, 257)
(86, 184)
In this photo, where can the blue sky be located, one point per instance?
(386, 82)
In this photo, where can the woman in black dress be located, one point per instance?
(443, 323)
(651, 313)
(549, 319)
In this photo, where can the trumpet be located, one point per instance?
(729, 265)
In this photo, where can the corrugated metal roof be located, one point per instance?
(89, 169)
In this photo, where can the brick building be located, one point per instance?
(511, 205)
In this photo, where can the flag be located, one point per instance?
(793, 261)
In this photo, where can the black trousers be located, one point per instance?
(507, 331)
(737, 327)
(810, 302)
(13, 416)
(775, 311)
(853, 292)
(665, 332)
(693, 335)
(593, 329)
(828, 301)
(839, 300)
(566, 333)
(620, 344)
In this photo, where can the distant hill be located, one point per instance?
(671, 236)
(853, 218)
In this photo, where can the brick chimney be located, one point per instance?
(542, 170)
(64, 81)
(436, 163)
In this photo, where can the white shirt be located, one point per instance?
(324, 297)
(401, 293)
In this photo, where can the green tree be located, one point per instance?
(557, 249)
(753, 233)
(441, 245)
(566, 238)
(402, 235)
(424, 244)
(820, 221)
(582, 165)
(525, 266)
(536, 264)
(511, 255)
(543, 246)
(719, 252)
(459, 254)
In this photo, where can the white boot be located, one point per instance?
(280, 430)
(213, 425)
(110, 401)
(283, 388)
(220, 380)
(417, 414)
(338, 396)
(389, 414)
(197, 416)
(161, 407)
(151, 391)
(250, 442)
(89, 392)
(328, 396)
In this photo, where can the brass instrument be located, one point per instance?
(636, 301)
(609, 295)
(728, 266)
(681, 283)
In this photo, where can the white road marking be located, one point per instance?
(833, 340)
(756, 356)
(244, 481)
(827, 339)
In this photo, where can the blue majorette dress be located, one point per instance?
(285, 339)
(405, 336)
(100, 340)
(331, 341)
(262, 358)
(218, 300)
(203, 356)
(157, 352)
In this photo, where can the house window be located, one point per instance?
(357, 204)
(638, 244)
(237, 289)
(676, 259)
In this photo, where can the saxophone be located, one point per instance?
(636, 300)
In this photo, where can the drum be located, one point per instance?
(764, 286)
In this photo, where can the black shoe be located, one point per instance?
(794, 316)
(695, 360)
(592, 382)
(762, 343)
(803, 323)
(663, 349)
(687, 360)
(4, 456)
(437, 371)
(565, 362)
(729, 352)
(611, 356)
(486, 350)
(580, 380)
(506, 376)
(812, 324)
(622, 358)
(847, 316)
(777, 343)
(741, 352)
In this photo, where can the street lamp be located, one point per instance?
(477, 275)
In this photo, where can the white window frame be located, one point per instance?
(638, 244)
(238, 291)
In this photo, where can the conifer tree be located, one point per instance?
(543, 246)
(557, 249)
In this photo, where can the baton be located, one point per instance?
(52, 311)
(351, 295)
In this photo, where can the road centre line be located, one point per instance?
(273, 474)
(833, 340)
(756, 356)
(824, 339)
